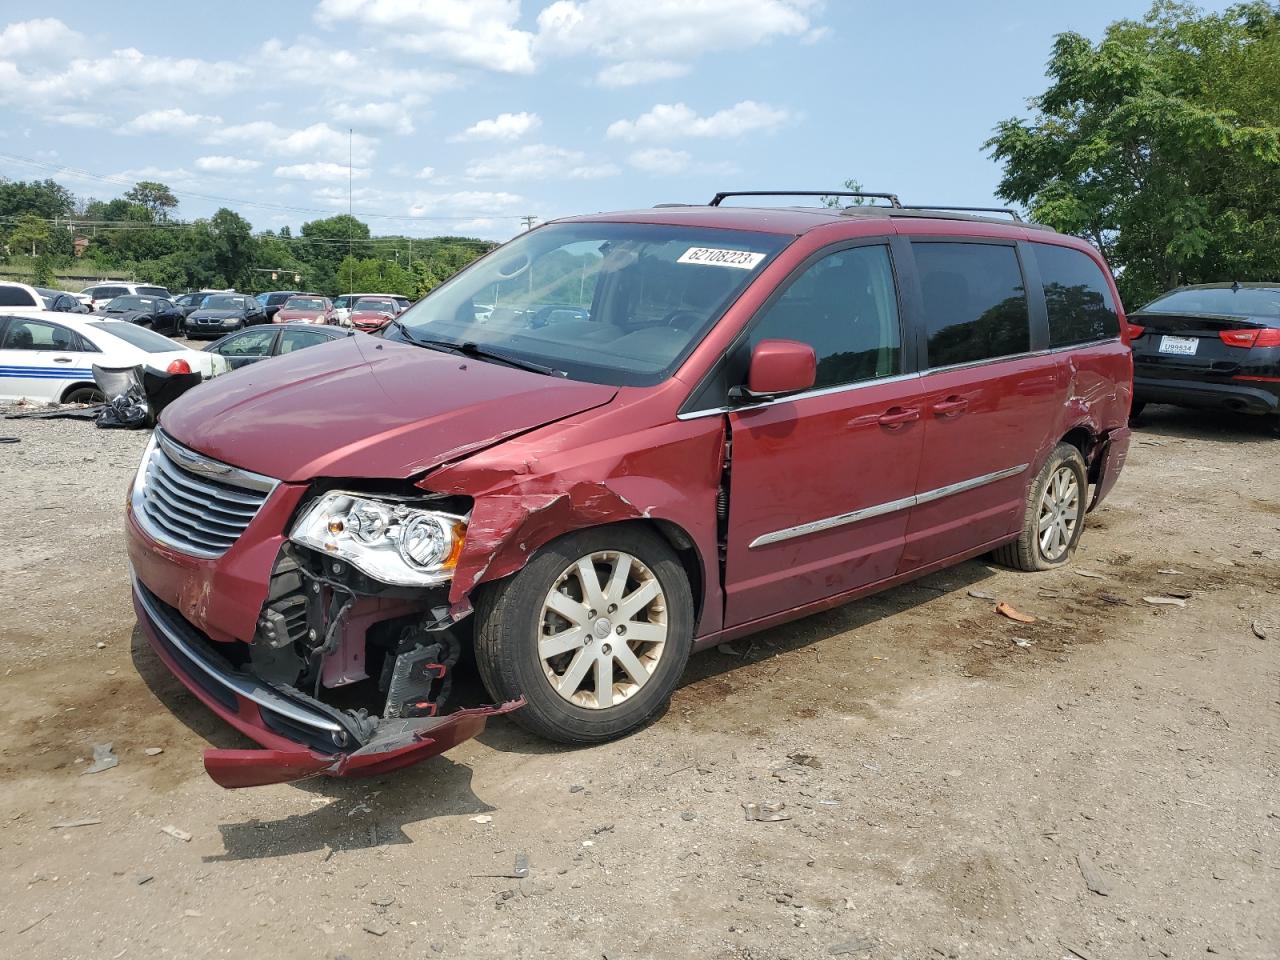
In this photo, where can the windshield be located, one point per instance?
(154, 291)
(617, 303)
(274, 298)
(223, 303)
(1222, 301)
(304, 303)
(131, 303)
(140, 337)
(381, 306)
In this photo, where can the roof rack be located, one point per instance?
(1014, 214)
(891, 197)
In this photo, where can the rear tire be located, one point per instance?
(518, 634)
(85, 395)
(1054, 516)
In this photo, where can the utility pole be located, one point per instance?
(528, 220)
(351, 280)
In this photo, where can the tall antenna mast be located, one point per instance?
(351, 274)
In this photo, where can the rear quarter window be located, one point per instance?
(975, 301)
(17, 297)
(1077, 297)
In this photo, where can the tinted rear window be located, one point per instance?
(1223, 301)
(16, 297)
(139, 337)
(155, 292)
(1076, 294)
(975, 304)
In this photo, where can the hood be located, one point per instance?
(215, 314)
(283, 314)
(367, 408)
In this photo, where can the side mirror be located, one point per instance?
(778, 367)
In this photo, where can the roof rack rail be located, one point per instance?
(1008, 211)
(891, 197)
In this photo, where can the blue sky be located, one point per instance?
(470, 113)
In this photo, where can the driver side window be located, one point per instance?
(845, 306)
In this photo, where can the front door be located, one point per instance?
(821, 484)
(39, 360)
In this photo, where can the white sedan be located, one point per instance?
(49, 356)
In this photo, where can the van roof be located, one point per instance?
(797, 220)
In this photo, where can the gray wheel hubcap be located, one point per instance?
(603, 629)
(1059, 513)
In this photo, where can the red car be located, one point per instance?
(371, 314)
(306, 308)
(731, 418)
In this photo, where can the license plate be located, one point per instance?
(1182, 346)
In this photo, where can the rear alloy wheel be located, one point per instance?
(1054, 516)
(85, 395)
(594, 633)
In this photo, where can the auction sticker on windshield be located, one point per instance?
(742, 259)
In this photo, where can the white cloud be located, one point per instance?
(224, 164)
(426, 173)
(479, 33)
(463, 202)
(675, 120)
(44, 35)
(633, 72)
(321, 171)
(80, 118)
(316, 63)
(386, 115)
(505, 126)
(116, 74)
(667, 29)
(319, 141)
(173, 120)
(660, 160)
(539, 161)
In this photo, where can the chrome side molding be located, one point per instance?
(880, 509)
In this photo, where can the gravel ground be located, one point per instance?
(1099, 784)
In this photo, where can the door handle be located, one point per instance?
(897, 416)
(950, 407)
(61, 359)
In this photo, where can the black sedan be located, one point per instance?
(190, 302)
(1213, 346)
(222, 313)
(155, 312)
(250, 346)
(59, 301)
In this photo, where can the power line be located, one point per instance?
(284, 208)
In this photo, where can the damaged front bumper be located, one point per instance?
(302, 737)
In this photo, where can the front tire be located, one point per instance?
(594, 633)
(1054, 517)
(85, 395)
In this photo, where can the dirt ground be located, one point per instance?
(955, 782)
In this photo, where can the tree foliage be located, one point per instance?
(156, 198)
(1161, 145)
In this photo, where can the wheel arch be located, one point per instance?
(77, 385)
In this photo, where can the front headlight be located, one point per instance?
(387, 539)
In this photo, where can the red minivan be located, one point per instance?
(610, 443)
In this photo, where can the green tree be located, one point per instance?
(852, 185)
(1161, 145)
(28, 235)
(232, 247)
(42, 198)
(156, 197)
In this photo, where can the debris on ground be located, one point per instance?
(176, 833)
(1093, 877)
(103, 759)
(377, 928)
(35, 923)
(1022, 642)
(482, 818)
(1005, 610)
(1165, 601)
(1112, 598)
(517, 872)
(1170, 572)
(153, 751)
(804, 760)
(980, 595)
(859, 945)
(766, 812)
(1090, 574)
(67, 824)
(729, 650)
(1259, 629)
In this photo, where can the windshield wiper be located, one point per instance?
(470, 349)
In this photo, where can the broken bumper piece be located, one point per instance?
(303, 737)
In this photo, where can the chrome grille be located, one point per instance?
(193, 503)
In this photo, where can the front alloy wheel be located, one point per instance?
(593, 633)
(603, 629)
